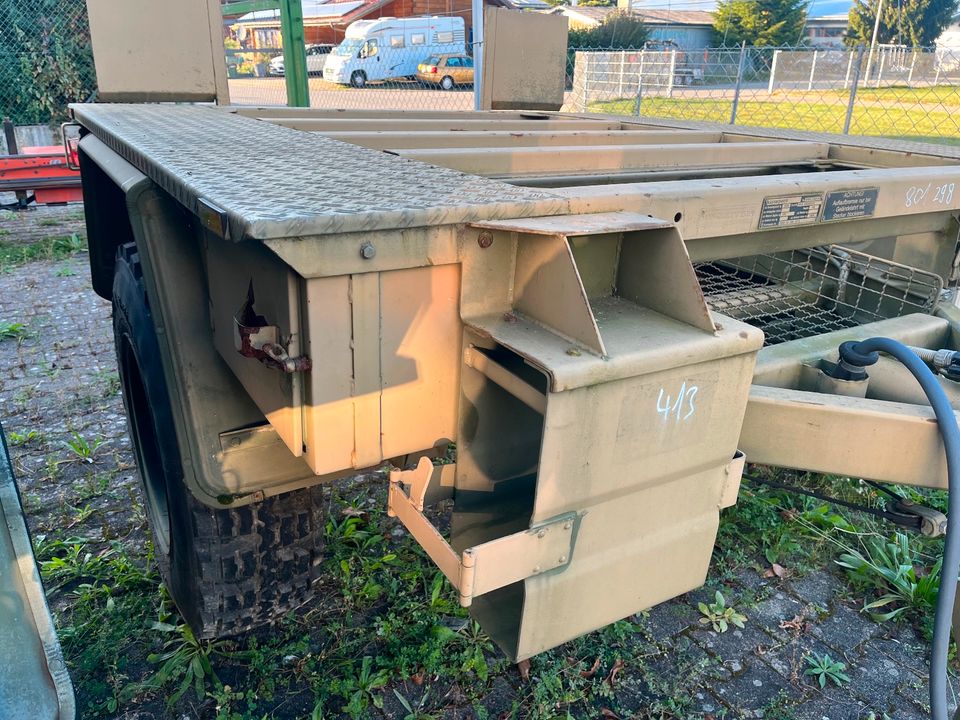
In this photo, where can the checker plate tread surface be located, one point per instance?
(275, 182)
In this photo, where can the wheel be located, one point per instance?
(358, 79)
(446, 82)
(227, 570)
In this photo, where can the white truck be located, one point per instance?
(389, 47)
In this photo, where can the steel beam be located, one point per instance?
(441, 125)
(850, 437)
(419, 139)
(583, 160)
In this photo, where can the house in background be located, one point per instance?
(690, 29)
(326, 21)
(827, 23)
(583, 17)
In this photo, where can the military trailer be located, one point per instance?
(607, 318)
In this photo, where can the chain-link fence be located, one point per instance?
(45, 61)
(391, 79)
(890, 91)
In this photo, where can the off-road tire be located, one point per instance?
(228, 570)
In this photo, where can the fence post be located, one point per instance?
(623, 60)
(636, 104)
(673, 70)
(846, 78)
(736, 89)
(853, 91)
(913, 63)
(476, 20)
(773, 72)
(813, 69)
(883, 57)
(586, 80)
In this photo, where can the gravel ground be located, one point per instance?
(59, 380)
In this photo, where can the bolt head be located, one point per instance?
(367, 251)
(485, 239)
(567, 525)
(563, 559)
(542, 533)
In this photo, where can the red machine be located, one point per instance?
(45, 174)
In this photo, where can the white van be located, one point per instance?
(391, 48)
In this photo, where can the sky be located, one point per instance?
(818, 8)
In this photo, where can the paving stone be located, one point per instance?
(819, 588)
(778, 607)
(876, 678)
(668, 619)
(906, 650)
(735, 644)
(845, 628)
(756, 688)
(824, 708)
(790, 659)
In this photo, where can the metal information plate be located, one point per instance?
(846, 204)
(790, 210)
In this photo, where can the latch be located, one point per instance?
(480, 569)
(253, 337)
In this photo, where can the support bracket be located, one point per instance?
(548, 547)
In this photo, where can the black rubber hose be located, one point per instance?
(949, 431)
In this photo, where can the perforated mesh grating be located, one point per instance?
(802, 293)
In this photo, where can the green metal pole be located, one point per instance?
(294, 53)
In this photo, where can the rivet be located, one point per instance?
(367, 251)
(542, 533)
(485, 239)
(536, 569)
(567, 525)
(563, 558)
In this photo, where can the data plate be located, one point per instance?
(790, 210)
(848, 204)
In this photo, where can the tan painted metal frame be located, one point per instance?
(544, 346)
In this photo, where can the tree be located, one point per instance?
(621, 29)
(45, 59)
(917, 23)
(759, 22)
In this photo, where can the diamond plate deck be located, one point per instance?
(274, 182)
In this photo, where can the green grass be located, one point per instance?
(915, 123)
(939, 94)
(56, 247)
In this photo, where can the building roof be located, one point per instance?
(675, 17)
(816, 9)
(593, 15)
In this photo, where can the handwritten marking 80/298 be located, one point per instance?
(942, 194)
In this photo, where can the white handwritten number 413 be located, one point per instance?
(681, 409)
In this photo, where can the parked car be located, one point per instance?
(447, 71)
(316, 59)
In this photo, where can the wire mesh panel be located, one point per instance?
(892, 91)
(355, 58)
(45, 60)
(802, 293)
